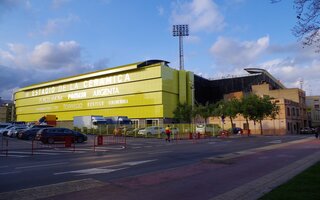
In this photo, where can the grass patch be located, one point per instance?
(303, 186)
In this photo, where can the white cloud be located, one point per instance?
(160, 10)
(227, 51)
(290, 73)
(58, 25)
(201, 15)
(21, 66)
(51, 56)
(43, 56)
(58, 3)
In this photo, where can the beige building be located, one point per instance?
(313, 110)
(6, 112)
(292, 112)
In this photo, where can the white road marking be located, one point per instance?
(275, 142)
(38, 153)
(5, 173)
(159, 152)
(104, 170)
(9, 155)
(44, 165)
(61, 151)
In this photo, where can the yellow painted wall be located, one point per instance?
(147, 92)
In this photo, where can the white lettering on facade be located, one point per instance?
(118, 101)
(106, 92)
(95, 104)
(121, 78)
(77, 95)
(50, 99)
(72, 106)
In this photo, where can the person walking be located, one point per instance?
(168, 133)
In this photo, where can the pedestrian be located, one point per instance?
(168, 133)
(317, 132)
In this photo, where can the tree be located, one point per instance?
(203, 111)
(183, 113)
(307, 27)
(258, 108)
(266, 108)
(227, 108)
(247, 106)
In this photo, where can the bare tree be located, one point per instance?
(307, 28)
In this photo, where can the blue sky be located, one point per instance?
(41, 40)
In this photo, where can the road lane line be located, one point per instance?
(159, 152)
(38, 153)
(44, 165)
(5, 173)
(105, 169)
(17, 156)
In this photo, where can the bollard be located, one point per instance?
(67, 141)
(100, 140)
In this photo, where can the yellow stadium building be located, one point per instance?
(147, 92)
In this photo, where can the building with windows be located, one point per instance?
(147, 92)
(6, 111)
(292, 114)
(313, 110)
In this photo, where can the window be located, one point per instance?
(293, 112)
(316, 106)
(288, 111)
(298, 112)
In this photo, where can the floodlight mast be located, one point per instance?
(180, 30)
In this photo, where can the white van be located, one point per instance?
(211, 129)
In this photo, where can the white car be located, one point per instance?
(208, 128)
(5, 130)
(14, 131)
(151, 130)
(174, 130)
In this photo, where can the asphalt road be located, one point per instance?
(145, 168)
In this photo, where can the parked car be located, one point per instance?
(174, 130)
(236, 130)
(28, 134)
(133, 131)
(14, 130)
(4, 125)
(211, 129)
(5, 130)
(52, 135)
(9, 130)
(307, 130)
(151, 130)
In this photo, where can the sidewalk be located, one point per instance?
(257, 188)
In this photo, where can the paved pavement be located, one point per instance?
(257, 188)
(215, 178)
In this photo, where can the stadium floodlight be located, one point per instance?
(180, 31)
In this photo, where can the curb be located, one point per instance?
(257, 188)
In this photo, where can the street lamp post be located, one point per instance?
(180, 31)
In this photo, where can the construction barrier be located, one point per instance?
(59, 142)
(5, 146)
(115, 139)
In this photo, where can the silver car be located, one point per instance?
(151, 130)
